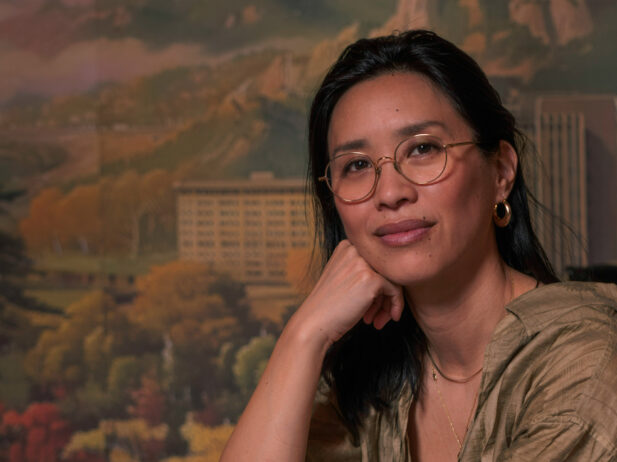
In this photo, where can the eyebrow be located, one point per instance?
(407, 130)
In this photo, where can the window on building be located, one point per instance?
(229, 202)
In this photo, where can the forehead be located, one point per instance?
(381, 108)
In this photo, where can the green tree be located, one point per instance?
(15, 266)
(250, 363)
(83, 346)
(124, 374)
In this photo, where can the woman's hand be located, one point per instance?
(275, 424)
(347, 291)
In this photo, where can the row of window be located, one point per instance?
(199, 225)
(271, 273)
(247, 244)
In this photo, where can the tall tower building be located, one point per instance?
(245, 228)
(559, 182)
(599, 113)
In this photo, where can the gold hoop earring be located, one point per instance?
(502, 213)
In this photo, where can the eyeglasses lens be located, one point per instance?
(420, 159)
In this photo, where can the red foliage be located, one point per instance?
(10, 419)
(149, 401)
(40, 414)
(16, 452)
(37, 436)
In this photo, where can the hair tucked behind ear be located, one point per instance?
(369, 367)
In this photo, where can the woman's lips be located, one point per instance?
(404, 232)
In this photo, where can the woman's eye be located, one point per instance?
(421, 150)
(424, 148)
(357, 165)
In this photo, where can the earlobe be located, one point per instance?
(507, 165)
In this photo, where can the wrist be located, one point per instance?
(307, 336)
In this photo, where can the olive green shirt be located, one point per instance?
(548, 390)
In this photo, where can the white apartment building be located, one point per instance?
(245, 228)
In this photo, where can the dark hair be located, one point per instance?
(368, 367)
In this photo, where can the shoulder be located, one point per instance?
(569, 333)
(561, 377)
(565, 302)
(555, 329)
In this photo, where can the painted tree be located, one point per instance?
(83, 346)
(15, 266)
(250, 363)
(135, 205)
(79, 219)
(298, 270)
(113, 214)
(39, 434)
(40, 227)
(195, 312)
(205, 443)
(118, 440)
(149, 401)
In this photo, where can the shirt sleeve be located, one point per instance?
(329, 440)
(570, 410)
(558, 438)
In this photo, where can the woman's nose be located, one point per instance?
(392, 188)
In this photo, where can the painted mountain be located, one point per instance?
(206, 89)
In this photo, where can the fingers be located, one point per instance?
(349, 290)
(370, 314)
(397, 303)
(386, 306)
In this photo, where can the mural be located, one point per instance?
(154, 239)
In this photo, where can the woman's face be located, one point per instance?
(410, 233)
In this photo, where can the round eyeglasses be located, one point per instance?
(420, 159)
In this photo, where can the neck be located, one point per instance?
(459, 323)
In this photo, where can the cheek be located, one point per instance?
(465, 202)
(355, 219)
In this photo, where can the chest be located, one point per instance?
(439, 420)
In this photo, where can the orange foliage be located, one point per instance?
(79, 217)
(176, 303)
(99, 217)
(299, 270)
(173, 293)
(40, 227)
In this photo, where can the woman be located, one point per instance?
(437, 325)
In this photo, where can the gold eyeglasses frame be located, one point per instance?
(377, 165)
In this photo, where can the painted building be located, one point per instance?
(245, 228)
(559, 182)
(600, 143)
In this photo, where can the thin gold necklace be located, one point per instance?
(445, 408)
(448, 378)
(435, 369)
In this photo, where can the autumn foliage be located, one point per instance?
(127, 375)
(37, 435)
(149, 401)
(123, 214)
